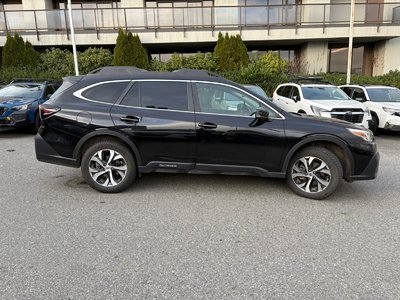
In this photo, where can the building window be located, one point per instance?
(338, 60)
(87, 4)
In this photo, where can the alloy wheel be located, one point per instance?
(107, 167)
(311, 174)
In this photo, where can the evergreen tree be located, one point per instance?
(17, 53)
(119, 50)
(129, 51)
(231, 52)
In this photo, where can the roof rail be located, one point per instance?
(33, 80)
(196, 72)
(110, 70)
(308, 79)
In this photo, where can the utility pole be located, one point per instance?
(350, 52)
(71, 24)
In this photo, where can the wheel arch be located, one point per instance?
(101, 134)
(339, 147)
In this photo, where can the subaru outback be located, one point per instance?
(120, 123)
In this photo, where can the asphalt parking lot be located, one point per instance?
(192, 236)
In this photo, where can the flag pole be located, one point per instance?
(73, 38)
(350, 52)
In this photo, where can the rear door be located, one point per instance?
(225, 135)
(158, 117)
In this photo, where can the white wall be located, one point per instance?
(314, 57)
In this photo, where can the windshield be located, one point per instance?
(323, 93)
(23, 90)
(384, 95)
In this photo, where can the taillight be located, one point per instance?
(46, 112)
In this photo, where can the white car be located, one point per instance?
(382, 101)
(321, 99)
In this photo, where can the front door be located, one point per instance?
(226, 135)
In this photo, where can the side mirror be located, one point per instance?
(360, 99)
(260, 116)
(295, 98)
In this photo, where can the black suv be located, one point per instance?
(119, 123)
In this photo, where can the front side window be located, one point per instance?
(358, 94)
(164, 95)
(220, 99)
(106, 92)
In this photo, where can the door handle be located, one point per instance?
(208, 125)
(130, 119)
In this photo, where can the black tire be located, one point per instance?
(375, 125)
(316, 190)
(110, 169)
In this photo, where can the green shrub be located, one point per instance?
(93, 58)
(57, 62)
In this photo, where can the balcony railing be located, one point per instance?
(188, 18)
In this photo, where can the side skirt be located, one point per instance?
(191, 168)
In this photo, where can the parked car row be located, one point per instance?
(119, 123)
(374, 107)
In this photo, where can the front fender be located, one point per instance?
(321, 138)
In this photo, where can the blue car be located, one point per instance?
(20, 100)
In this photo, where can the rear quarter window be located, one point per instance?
(106, 92)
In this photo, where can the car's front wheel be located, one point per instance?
(108, 166)
(314, 172)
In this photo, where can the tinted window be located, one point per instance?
(347, 90)
(132, 97)
(50, 89)
(295, 93)
(358, 94)
(106, 92)
(286, 91)
(164, 95)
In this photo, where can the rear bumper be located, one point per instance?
(45, 153)
(370, 171)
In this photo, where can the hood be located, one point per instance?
(11, 101)
(330, 104)
(331, 121)
(394, 105)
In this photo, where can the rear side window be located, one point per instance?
(106, 92)
(132, 96)
(164, 95)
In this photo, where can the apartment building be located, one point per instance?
(311, 34)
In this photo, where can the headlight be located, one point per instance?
(391, 111)
(366, 135)
(318, 110)
(22, 107)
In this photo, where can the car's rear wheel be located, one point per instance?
(108, 166)
(314, 173)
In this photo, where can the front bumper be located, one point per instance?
(392, 123)
(370, 171)
(45, 153)
(16, 119)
